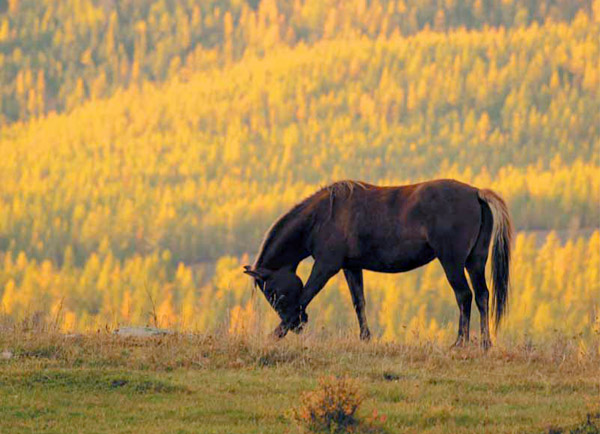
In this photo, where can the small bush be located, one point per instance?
(331, 408)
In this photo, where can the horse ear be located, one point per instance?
(259, 273)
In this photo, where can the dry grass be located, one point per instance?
(205, 382)
(306, 352)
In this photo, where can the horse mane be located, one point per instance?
(336, 189)
(340, 188)
(346, 185)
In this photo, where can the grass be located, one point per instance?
(220, 384)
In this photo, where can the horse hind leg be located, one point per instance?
(453, 244)
(476, 269)
(455, 273)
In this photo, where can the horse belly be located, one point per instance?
(395, 258)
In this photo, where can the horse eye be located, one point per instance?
(268, 292)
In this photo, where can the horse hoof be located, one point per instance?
(298, 325)
(365, 336)
(460, 343)
(298, 329)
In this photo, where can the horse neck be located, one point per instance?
(282, 247)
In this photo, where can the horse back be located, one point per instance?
(397, 228)
(410, 209)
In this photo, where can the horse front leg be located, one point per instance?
(320, 274)
(355, 284)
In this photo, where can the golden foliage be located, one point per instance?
(551, 280)
(144, 147)
(81, 49)
(202, 166)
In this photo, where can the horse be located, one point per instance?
(354, 226)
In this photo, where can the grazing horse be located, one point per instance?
(354, 226)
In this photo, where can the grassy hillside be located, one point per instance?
(210, 384)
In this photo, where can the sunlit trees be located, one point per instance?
(89, 49)
(558, 280)
(140, 139)
(201, 165)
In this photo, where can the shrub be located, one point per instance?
(331, 407)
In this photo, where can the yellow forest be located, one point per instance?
(145, 148)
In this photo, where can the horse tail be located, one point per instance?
(502, 234)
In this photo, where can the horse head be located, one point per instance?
(282, 289)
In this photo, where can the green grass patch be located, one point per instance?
(102, 383)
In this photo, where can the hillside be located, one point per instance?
(55, 54)
(126, 168)
(202, 164)
(210, 384)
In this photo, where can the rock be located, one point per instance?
(6, 355)
(141, 332)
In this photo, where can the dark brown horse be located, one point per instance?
(354, 226)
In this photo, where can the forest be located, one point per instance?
(146, 147)
(53, 53)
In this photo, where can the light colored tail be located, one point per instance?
(502, 234)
